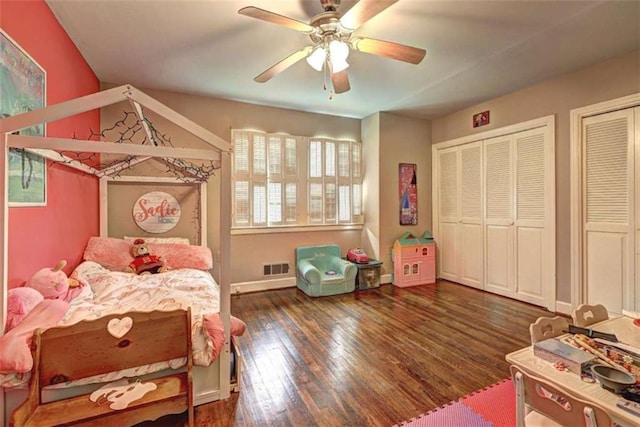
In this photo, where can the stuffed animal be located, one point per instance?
(144, 262)
(20, 302)
(53, 283)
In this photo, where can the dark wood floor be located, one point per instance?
(371, 358)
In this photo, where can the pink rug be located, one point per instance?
(493, 406)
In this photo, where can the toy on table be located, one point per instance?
(357, 255)
(144, 262)
(53, 283)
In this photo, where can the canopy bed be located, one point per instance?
(211, 382)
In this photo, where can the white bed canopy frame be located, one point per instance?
(46, 146)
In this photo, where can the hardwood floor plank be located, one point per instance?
(371, 358)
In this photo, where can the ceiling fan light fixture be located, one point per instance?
(338, 52)
(338, 66)
(317, 58)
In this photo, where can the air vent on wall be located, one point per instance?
(275, 269)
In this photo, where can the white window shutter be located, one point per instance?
(259, 160)
(356, 161)
(275, 155)
(269, 191)
(330, 159)
(315, 203)
(344, 211)
(241, 208)
(291, 200)
(357, 200)
(259, 204)
(315, 159)
(241, 153)
(344, 160)
(330, 202)
(275, 203)
(290, 157)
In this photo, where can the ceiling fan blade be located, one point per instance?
(392, 50)
(284, 64)
(340, 81)
(274, 18)
(363, 11)
(345, 6)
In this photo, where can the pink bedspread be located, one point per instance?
(106, 292)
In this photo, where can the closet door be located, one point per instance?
(470, 227)
(448, 203)
(530, 255)
(499, 215)
(608, 200)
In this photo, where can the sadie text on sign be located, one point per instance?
(156, 212)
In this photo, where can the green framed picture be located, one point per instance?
(22, 89)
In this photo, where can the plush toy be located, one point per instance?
(53, 283)
(144, 262)
(20, 302)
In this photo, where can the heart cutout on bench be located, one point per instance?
(119, 327)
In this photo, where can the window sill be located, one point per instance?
(294, 229)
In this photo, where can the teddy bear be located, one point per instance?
(53, 283)
(144, 262)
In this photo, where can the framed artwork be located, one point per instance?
(23, 88)
(408, 194)
(481, 119)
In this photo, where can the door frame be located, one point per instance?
(576, 193)
(550, 198)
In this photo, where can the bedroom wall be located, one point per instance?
(610, 79)
(392, 139)
(403, 140)
(250, 252)
(41, 236)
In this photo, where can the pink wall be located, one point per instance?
(41, 236)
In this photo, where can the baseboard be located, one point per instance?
(262, 285)
(285, 282)
(564, 308)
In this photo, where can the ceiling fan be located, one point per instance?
(331, 34)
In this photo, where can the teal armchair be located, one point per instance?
(320, 271)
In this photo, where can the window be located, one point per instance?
(283, 180)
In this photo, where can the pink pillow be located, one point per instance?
(114, 254)
(15, 345)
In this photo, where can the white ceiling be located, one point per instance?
(476, 50)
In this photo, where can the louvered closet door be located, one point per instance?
(607, 206)
(499, 215)
(470, 228)
(530, 255)
(448, 202)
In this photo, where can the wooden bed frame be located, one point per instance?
(151, 337)
(210, 383)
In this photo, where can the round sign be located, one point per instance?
(156, 212)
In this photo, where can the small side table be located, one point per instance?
(368, 274)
